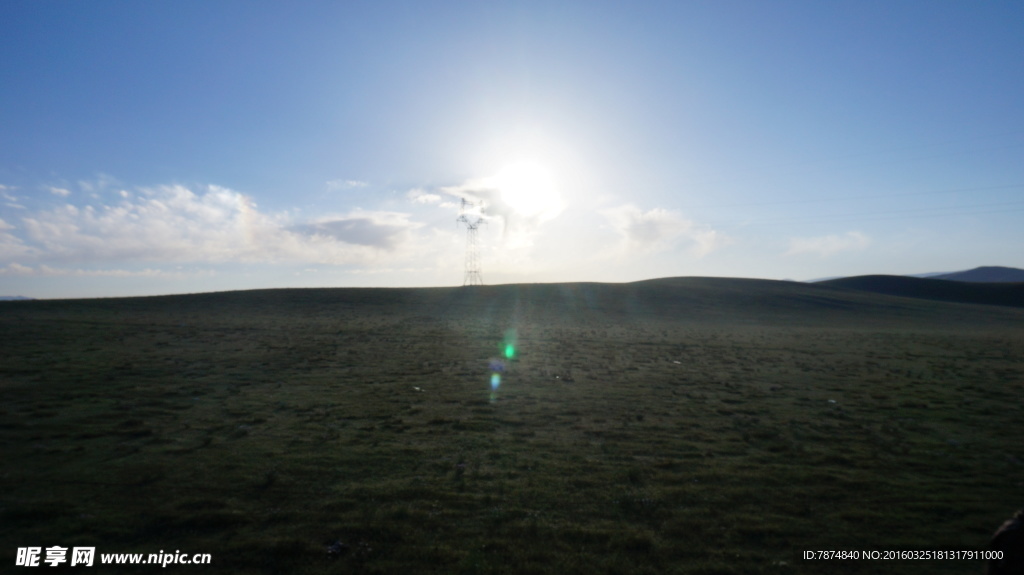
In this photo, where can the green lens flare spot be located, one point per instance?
(510, 351)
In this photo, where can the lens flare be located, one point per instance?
(502, 363)
(509, 342)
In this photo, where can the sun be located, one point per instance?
(527, 187)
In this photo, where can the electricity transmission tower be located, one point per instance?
(472, 214)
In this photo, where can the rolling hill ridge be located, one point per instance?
(984, 274)
(868, 300)
(994, 294)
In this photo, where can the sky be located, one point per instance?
(193, 146)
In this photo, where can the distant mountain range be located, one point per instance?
(984, 274)
(14, 297)
(1003, 293)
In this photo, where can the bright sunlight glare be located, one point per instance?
(527, 187)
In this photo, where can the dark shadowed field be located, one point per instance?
(690, 425)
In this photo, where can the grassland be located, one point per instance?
(673, 426)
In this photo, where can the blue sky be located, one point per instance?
(171, 147)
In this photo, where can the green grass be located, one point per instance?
(262, 426)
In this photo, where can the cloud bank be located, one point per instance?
(659, 229)
(174, 224)
(16, 269)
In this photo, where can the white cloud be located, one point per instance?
(62, 192)
(12, 200)
(99, 183)
(16, 269)
(385, 230)
(176, 224)
(421, 196)
(828, 245)
(345, 184)
(659, 229)
(11, 246)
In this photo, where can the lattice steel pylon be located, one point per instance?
(472, 214)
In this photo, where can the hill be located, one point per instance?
(543, 428)
(684, 300)
(992, 294)
(985, 274)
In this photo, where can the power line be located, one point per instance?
(840, 161)
(855, 198)
(944, 211)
